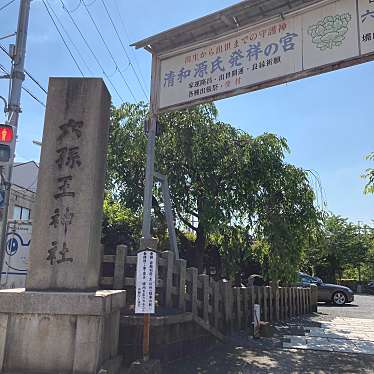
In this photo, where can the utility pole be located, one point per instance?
(17, 76)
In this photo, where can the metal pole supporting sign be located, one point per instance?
(147, 258)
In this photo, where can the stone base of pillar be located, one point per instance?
(59, 332)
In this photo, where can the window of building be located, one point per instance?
(20, 212)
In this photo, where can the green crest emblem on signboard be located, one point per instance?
(330, 31)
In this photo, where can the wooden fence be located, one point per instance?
(216, 303)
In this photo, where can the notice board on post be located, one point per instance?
(145, 282)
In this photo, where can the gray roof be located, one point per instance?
(241, 15)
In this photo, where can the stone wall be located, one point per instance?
(172, 337)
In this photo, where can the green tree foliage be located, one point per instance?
(341, 246)
(220, 178)
(242, 255)
(121, 225)
(369, 175)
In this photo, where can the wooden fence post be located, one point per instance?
(119, 267)
(253, 302)
(303, 300)
(182, 264)
(259, 301)
(227, 304)
(266, 303)
(205, 301)
(281, 303)
(293, 302)
(193, 275)
(169, 257)
(277, 303)
(286, 303)
(238, 311)
(246, 307)
(271, 311)
(308, 294)
(216, 297)
(313, 297)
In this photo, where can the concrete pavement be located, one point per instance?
(348, 353)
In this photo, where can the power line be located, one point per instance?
(128, 39)
(124, 49)
(107, 48)
(90, 49)
(33, 96)
(24, 88)
(4, 6)
(71, 40)
(63, 39)
(36, 82)
(26, 72)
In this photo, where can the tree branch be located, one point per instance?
(186, 223)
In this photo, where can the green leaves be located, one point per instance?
(341, 245)
(231, 185)
(369, 174)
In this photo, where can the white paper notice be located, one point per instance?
(146, 282)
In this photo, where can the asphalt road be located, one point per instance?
(241, 356)
(361, 307)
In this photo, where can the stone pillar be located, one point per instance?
(61, 323)
(65, 246)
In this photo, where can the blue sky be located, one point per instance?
(327, 120)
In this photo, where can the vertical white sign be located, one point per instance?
(366, 25)
(145, 282)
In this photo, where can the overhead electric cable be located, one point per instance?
(33, 96)
(26, 72)
(63, 39)
(36, 82)
(71, 40)
(124, 49)
(9, 3)
(128, 39)
(90, 49)
(24, 88)
(107, 48)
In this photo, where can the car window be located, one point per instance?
(306, 279)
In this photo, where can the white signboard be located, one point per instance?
(15, 266)
(366, 25)
(146, 282)
(257, 57)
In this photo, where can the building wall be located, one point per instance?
(21, 198)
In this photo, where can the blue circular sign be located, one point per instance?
(12, 246)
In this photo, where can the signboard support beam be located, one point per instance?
(147, 210)
(168, 213)
(147, 320)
